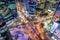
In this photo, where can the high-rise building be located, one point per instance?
(32, 7)
(4, 32)
(42, 3)
(7, 10)
(6, 13)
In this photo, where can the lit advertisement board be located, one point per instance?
(56, 33)
(53, 27)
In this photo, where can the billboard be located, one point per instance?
(56, 33)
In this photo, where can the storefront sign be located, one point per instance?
(54, 26)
